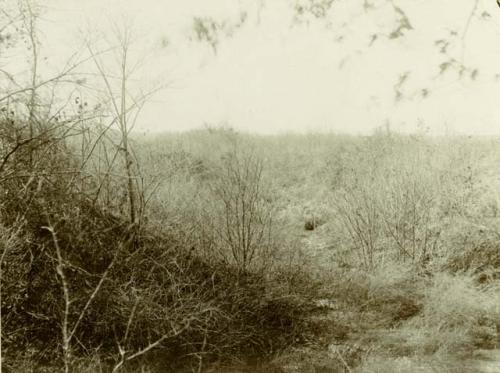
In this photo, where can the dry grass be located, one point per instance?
(400, 272)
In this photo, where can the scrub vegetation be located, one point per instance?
(299, 252)
(219, 251)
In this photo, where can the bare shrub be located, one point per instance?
(358, 211)
(243, 217)
(409, 214)
(390, 206)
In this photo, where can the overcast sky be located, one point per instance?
(273, 75)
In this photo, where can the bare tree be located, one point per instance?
(30, 15)
(126, 108)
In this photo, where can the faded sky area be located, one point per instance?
(273, 75)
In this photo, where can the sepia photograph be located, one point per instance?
(249, 186)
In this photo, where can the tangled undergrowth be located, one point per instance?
(77, 271)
